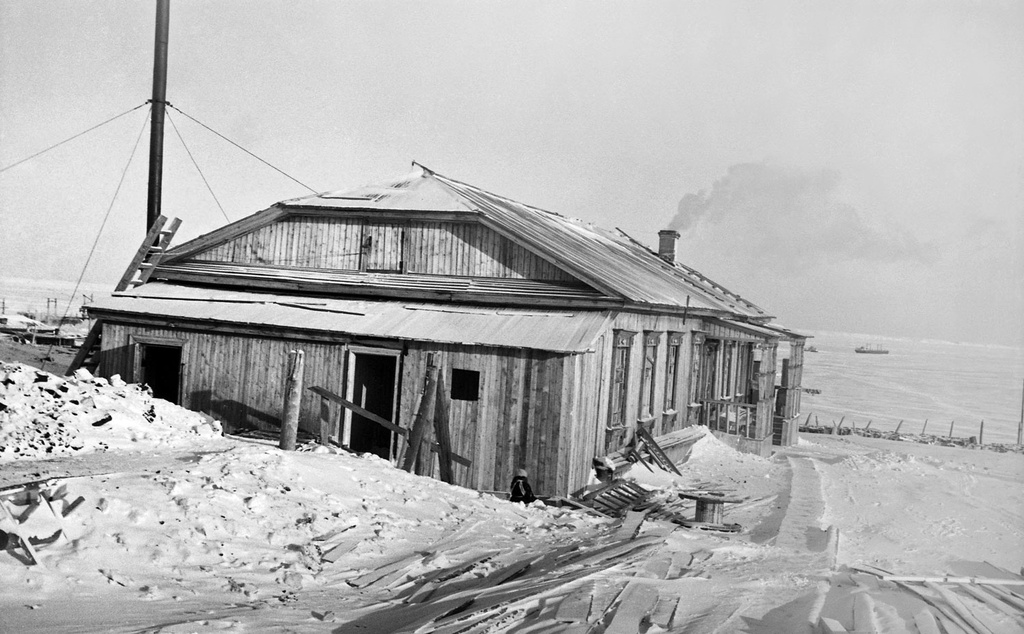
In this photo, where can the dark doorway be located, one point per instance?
(161, 370)
(374, 390)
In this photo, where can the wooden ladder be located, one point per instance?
(655, 450)
(150, 252)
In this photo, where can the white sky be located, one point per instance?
(852, 166)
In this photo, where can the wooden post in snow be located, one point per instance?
(443, 435)
(1020, 425)
(981, 433)
(951, 428)
(898, 426)
(925, 426)
(325, 421)
(292, 399)
(424, 417)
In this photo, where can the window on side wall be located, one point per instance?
(623, 343)
(465, 385)
(675, 345)
(647, 377)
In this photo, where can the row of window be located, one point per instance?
(623, 344)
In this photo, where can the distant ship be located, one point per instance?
(868, 349)
(811, 349)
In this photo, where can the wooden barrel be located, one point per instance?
(709, 511)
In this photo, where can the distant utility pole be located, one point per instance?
(156, 138)
(1020, 425)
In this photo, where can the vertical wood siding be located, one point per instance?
(434, 248)
(640, 323)
(524, 417)
(305, 242)
(237, 379)
(543, 411)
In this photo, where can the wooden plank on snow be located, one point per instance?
(661, 615)
(993, 602)
(630, 525)
(636, 603)
(925, 622)
(575, 607)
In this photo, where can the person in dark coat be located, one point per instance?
(521, 490)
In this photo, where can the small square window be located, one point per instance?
(465, 385)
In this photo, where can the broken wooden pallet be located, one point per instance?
(617, 498)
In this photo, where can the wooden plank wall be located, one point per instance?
(795, 378)
(545, 411)
(306, 242)
(434, 248)
(382, 243)
(523, 418)
(237, 379)
(641, 323)
(470, 249)
(766, 389)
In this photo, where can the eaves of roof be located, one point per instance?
(550, 330)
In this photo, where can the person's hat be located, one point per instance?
(521, 473)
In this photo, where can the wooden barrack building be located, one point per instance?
(553, 338)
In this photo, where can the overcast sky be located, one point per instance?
(850, 166)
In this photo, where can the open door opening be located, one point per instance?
(373, 388)
(161, 370)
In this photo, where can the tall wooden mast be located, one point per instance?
(156, 139)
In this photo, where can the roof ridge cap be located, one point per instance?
(447, 179)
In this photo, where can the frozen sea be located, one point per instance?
(942, 382)
(20, 294)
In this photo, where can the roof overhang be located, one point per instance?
(549, 330)
(764, 331)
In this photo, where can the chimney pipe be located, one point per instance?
(667, 244)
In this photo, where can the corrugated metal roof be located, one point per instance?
(746, 327)
(603, 258)
(409, 192)
(557, 331)
(616, 264)
(774, 331)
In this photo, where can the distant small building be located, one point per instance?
(554, 338)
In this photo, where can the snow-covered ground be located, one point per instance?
(180, 529)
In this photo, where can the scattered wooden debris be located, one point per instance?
(635, 604)
(21, 527)
(947, 603)
(655, 450)
(617, 498)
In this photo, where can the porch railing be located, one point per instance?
(730, 417)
